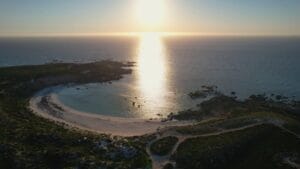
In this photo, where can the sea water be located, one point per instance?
(167, 69)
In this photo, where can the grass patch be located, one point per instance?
(216, 125)
(163, 146)
(263, 146)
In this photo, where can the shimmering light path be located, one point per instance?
(152, 71)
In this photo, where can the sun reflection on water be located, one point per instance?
(152, 71)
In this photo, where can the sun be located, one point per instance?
(150, 13)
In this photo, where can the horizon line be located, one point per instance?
(140, 33)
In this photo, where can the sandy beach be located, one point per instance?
(46, 104)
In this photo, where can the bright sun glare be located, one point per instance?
(150, 13)
(152, 70)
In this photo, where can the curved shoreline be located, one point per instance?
(46, 104)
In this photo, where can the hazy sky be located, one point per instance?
(27, 17)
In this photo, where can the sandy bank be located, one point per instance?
(46, 104)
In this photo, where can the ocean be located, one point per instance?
(168, 68)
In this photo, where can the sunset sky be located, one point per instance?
(47, 17)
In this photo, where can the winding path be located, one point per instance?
(159, 161)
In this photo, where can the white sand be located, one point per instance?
(93, 122)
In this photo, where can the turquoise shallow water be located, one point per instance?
(167, 69)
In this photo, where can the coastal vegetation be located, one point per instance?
(258, 132)
(222, 131)
(29, 141)
(264, 146)
(163, 146)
